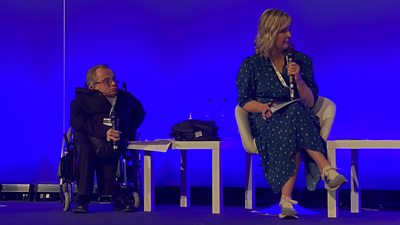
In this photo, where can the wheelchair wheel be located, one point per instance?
(67, 196)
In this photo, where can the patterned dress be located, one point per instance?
(291, 129)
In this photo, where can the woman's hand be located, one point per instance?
(294, 70)
(254, 106)
(304, 91)
(266, 110)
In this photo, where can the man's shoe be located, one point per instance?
(122, 203)
(332, 179)
(126, 201)
(287, 210)
(80, 208)
(128, 208)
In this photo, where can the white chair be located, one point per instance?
(325, 109)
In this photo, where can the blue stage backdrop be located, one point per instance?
(31, 90)
(180, 58)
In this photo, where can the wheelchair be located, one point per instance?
(128, 174)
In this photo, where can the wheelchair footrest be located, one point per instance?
(105, 199)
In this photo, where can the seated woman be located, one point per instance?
(263, 81)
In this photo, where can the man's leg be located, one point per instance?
(106, 176)
(85, 175)
(122, 197)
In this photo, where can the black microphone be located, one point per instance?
(289, 57)
(114, 123)
(124, 86)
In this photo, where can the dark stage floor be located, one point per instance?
(43, 213)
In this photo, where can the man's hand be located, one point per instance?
(113, 135)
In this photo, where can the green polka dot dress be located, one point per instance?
(291, 129)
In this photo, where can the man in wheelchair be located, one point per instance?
(104, 118)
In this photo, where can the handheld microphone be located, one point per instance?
(124, 86)
(289, 57)
(114, 123)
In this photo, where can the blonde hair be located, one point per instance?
(271, 22)
(91, 74)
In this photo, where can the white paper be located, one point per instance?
(155, 146)
(280, 106)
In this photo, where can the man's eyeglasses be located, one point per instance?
(107, 81)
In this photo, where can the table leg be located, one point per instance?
(217, 192)
(148, 182)
(332, 195)
(355, 188)
(185, 186)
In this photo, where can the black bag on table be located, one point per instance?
(195, 130)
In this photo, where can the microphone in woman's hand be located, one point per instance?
(289, 57)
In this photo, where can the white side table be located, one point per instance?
(183, 146)
(354, 145)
